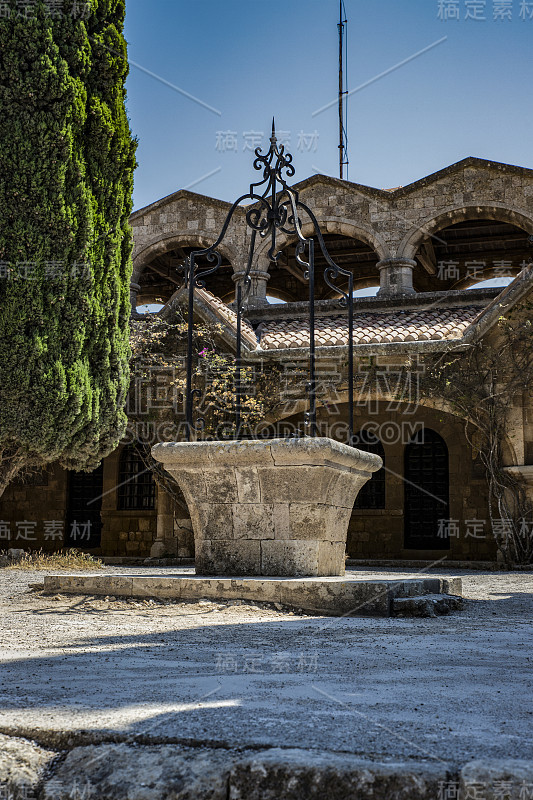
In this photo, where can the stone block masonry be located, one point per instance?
(279, 507)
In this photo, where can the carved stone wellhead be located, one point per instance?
(279, 507)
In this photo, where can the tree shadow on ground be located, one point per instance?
(384, 686)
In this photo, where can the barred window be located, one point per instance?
(427, 492)
(136, 485)
(372, 495)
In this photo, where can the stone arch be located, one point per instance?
(339, 225)
(339, 397)
(366, 245)
(489, 272)
(359, 283)
(184, 238)
(411, 242)
(279, 294)
(435, 403)
(438, 404)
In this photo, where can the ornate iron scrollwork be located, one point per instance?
(276, 207)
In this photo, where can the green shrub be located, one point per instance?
(66, 173)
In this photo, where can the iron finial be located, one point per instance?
(273, 138)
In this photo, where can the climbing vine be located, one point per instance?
(156, 400)
(482, 385)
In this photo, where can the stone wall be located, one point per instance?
(128, 533)
(45, 500)
(379, 533)
(393, 223)
(39, 500)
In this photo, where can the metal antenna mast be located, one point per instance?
(343, 143)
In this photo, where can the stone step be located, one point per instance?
(425, 585)
(350, 595)
(426, 605)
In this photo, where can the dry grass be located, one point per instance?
(64, 559)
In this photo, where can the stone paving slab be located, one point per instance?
(352, 595)
(22, 765)
(138, 771)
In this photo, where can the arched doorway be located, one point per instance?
(84, 520)
(426, 492)
(372, 495)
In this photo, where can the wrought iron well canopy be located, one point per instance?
(275, 208)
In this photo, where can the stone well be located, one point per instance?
(275, 507)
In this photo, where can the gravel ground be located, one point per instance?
(242, 674)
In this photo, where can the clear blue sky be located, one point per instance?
(469, 95)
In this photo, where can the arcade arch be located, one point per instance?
(467, 245)
(157, 274)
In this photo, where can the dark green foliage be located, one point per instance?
(66, 172)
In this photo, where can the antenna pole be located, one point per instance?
(342, 133)
(341, 95)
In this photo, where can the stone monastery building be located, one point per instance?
(426, 246)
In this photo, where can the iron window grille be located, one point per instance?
(136, 485)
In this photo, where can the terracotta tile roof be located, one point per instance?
(417, 325)
(227, 315)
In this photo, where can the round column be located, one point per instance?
(259, 276)
(135, 288)
(396, 276)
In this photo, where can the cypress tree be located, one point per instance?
(66, 176)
